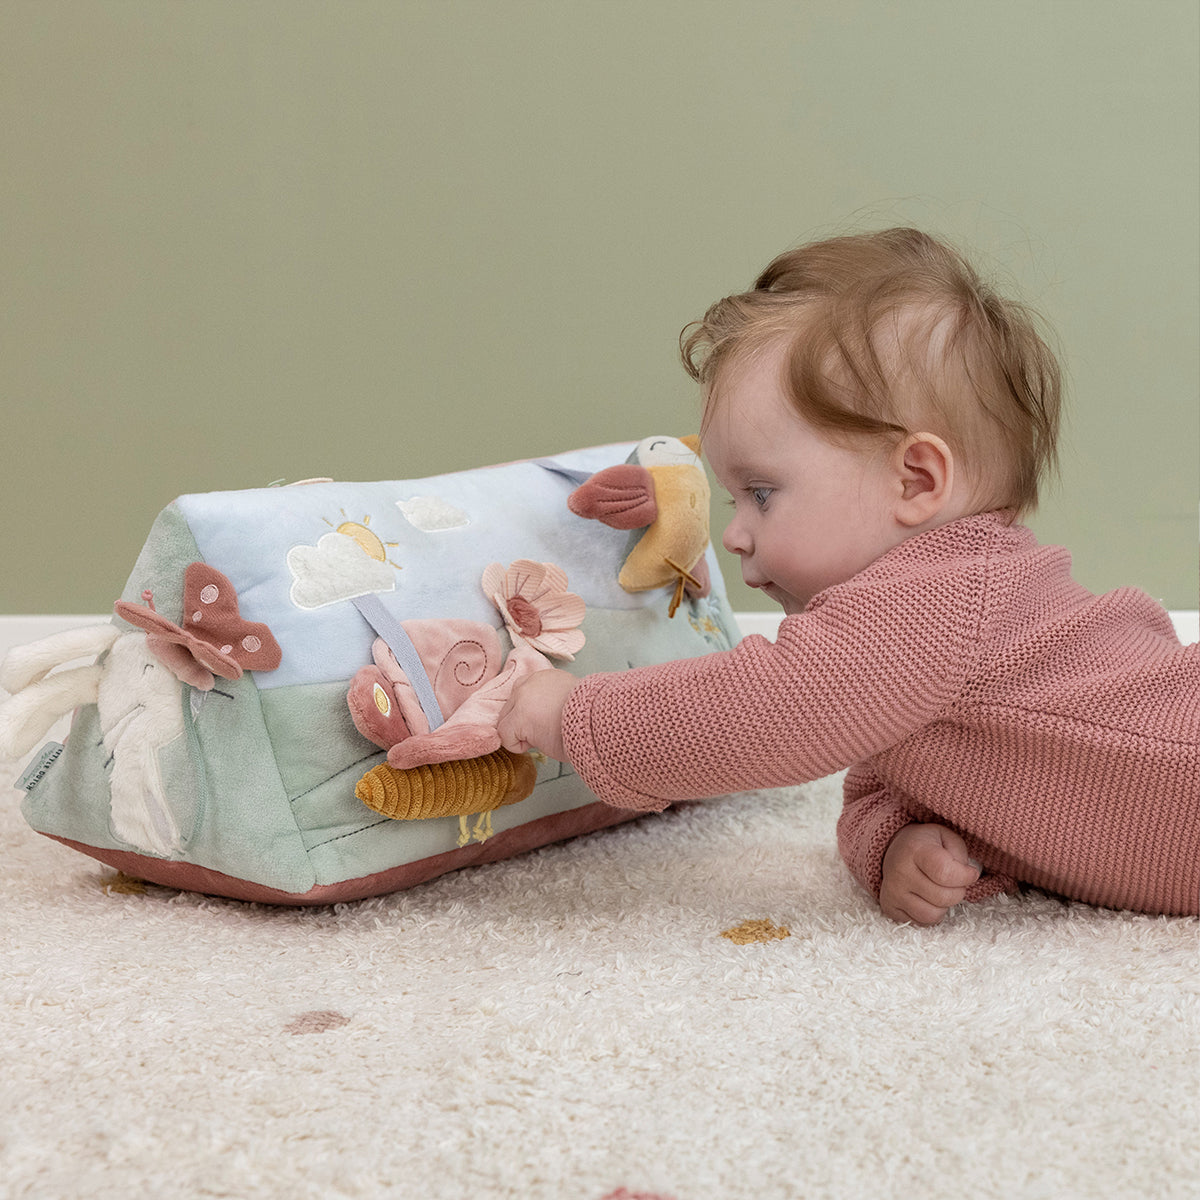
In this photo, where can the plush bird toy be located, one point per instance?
(663, 492)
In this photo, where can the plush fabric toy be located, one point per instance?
(212, 640)
(214, 747)
(462, 661)
(662, 491)
(135, 687)
(453, 724)
(473, 786)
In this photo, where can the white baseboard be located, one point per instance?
(18, 630)
(1187, 625)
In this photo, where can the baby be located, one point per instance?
(881, 420)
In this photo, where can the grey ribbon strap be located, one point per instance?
(575, 476)
(373, 612)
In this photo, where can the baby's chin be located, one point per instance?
(789, 603)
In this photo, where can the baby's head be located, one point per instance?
(892, 333)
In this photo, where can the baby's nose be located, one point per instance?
(733, 539)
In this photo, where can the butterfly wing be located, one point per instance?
(213, 634)
(212, 620)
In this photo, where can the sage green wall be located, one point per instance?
(245, 240)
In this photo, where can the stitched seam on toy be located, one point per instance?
(350, 833)
(329, 779)
(200, 773)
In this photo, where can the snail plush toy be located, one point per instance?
(435, 712)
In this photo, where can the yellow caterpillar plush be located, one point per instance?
(466, 787)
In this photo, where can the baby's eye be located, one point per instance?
(760, 495)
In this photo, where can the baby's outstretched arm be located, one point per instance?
(926, 872)
(532, 716)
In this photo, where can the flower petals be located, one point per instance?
(541, 587)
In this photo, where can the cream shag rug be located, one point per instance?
(574, 1025)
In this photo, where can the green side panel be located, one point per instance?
(247, 829)
(168, 550)
(219, 776)
(314, 737)
(72, 801)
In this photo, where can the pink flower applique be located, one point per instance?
(537, 608)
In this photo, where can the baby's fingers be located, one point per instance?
(947, 865)
(917, 911)
(948, 874)
(512, 736)
(931, 895)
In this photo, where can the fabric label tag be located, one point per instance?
(41, 765)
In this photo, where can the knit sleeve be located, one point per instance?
(870, 818)
(846, 679)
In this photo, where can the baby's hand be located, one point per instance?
(532, 716)
(926, 872)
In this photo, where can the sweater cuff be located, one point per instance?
(864, 832)
(581, 749)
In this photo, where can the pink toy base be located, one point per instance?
(508, 843)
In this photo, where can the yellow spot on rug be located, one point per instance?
(756, 931)
(122, 884)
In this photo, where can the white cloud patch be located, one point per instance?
(336, 568)
(432, 514)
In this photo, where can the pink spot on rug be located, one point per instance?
(316, 1022)
(625, 1194)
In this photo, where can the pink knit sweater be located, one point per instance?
(964, 678)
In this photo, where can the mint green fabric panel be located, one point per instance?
(220, 780)
(331, 811)
(248, 829)
(313, 735)
(321, 758)
(379, 846)
(622, 638)
(382, 843)
(166, 554)
(72, 800)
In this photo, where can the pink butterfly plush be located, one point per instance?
(213, 640)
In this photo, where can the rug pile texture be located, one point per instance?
(697, 1006)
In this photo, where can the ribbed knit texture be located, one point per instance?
(966, 679)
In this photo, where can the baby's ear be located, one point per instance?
(924, 467)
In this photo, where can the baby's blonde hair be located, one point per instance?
(893, 333)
